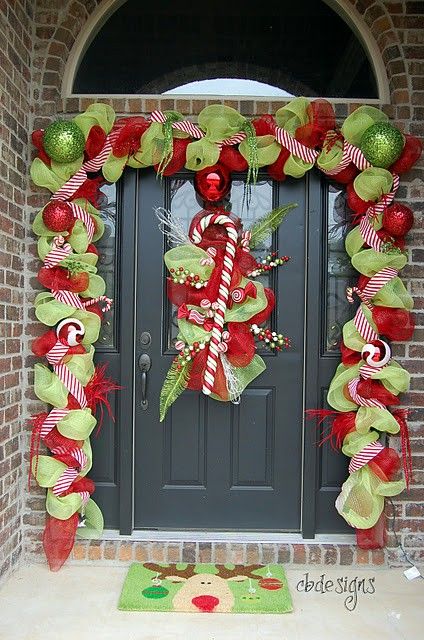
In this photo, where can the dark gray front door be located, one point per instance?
(211, 464)
(215, 465)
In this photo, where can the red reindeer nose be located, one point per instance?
(205, 603)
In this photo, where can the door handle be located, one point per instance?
(144, 363)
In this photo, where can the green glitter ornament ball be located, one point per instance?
(63, 141)
(382, 144)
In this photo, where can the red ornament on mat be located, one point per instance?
(270, 584)
(58, 216)
(398, 219)
(213, 183)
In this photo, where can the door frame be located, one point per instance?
(315, 224)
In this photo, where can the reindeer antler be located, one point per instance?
(239, 570)
(171, 570)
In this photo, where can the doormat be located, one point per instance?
(206, 588)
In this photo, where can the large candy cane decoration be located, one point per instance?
(223, 292)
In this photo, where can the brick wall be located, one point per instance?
(15, 114)
(396, 28)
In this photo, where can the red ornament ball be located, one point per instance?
(213, 183)
(270, 584)
(398, 220)
(58, 216)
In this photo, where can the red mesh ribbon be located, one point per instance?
(373, 538)
(386, 464)
(240, 352)
(60, 278)
(395, 324)
(410, 154)
(321, 119)
(127, 140)
(58, 540)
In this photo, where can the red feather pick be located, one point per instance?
(97, 392)
(341, 425)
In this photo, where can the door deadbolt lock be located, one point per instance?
(145, 339)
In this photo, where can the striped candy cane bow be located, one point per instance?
(223, 292)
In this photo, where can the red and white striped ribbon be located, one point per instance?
(72, 384)
(70, 473)
(362, 402)
(67, 190)
(85, 495)
(356, 156)
(350, 154)
(60, 250)
(366, 294)
(57, 353)
(378, 281)
(66, 479)
(85, 217)
(364, 456)
(294, 146)
(369, 235)
(194, 131)
(51, 421)
(183, 125)
(363, 327)
(223, 292)
(73, 300)
(381, 205)
(366, 371)
(235, 139)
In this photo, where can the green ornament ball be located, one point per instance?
(155, 592)
(382, 144)
(63, 141)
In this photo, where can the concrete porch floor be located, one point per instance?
(80, 602)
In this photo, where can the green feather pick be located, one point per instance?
(174, 384)
(265, 226)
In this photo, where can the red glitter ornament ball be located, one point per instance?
(58, 216)
(398, 220)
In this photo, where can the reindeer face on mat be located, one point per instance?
(206, 592)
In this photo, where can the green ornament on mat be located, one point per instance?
(63, 141)
(382, 144)
(155, 592)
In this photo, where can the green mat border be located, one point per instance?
(131, 599)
